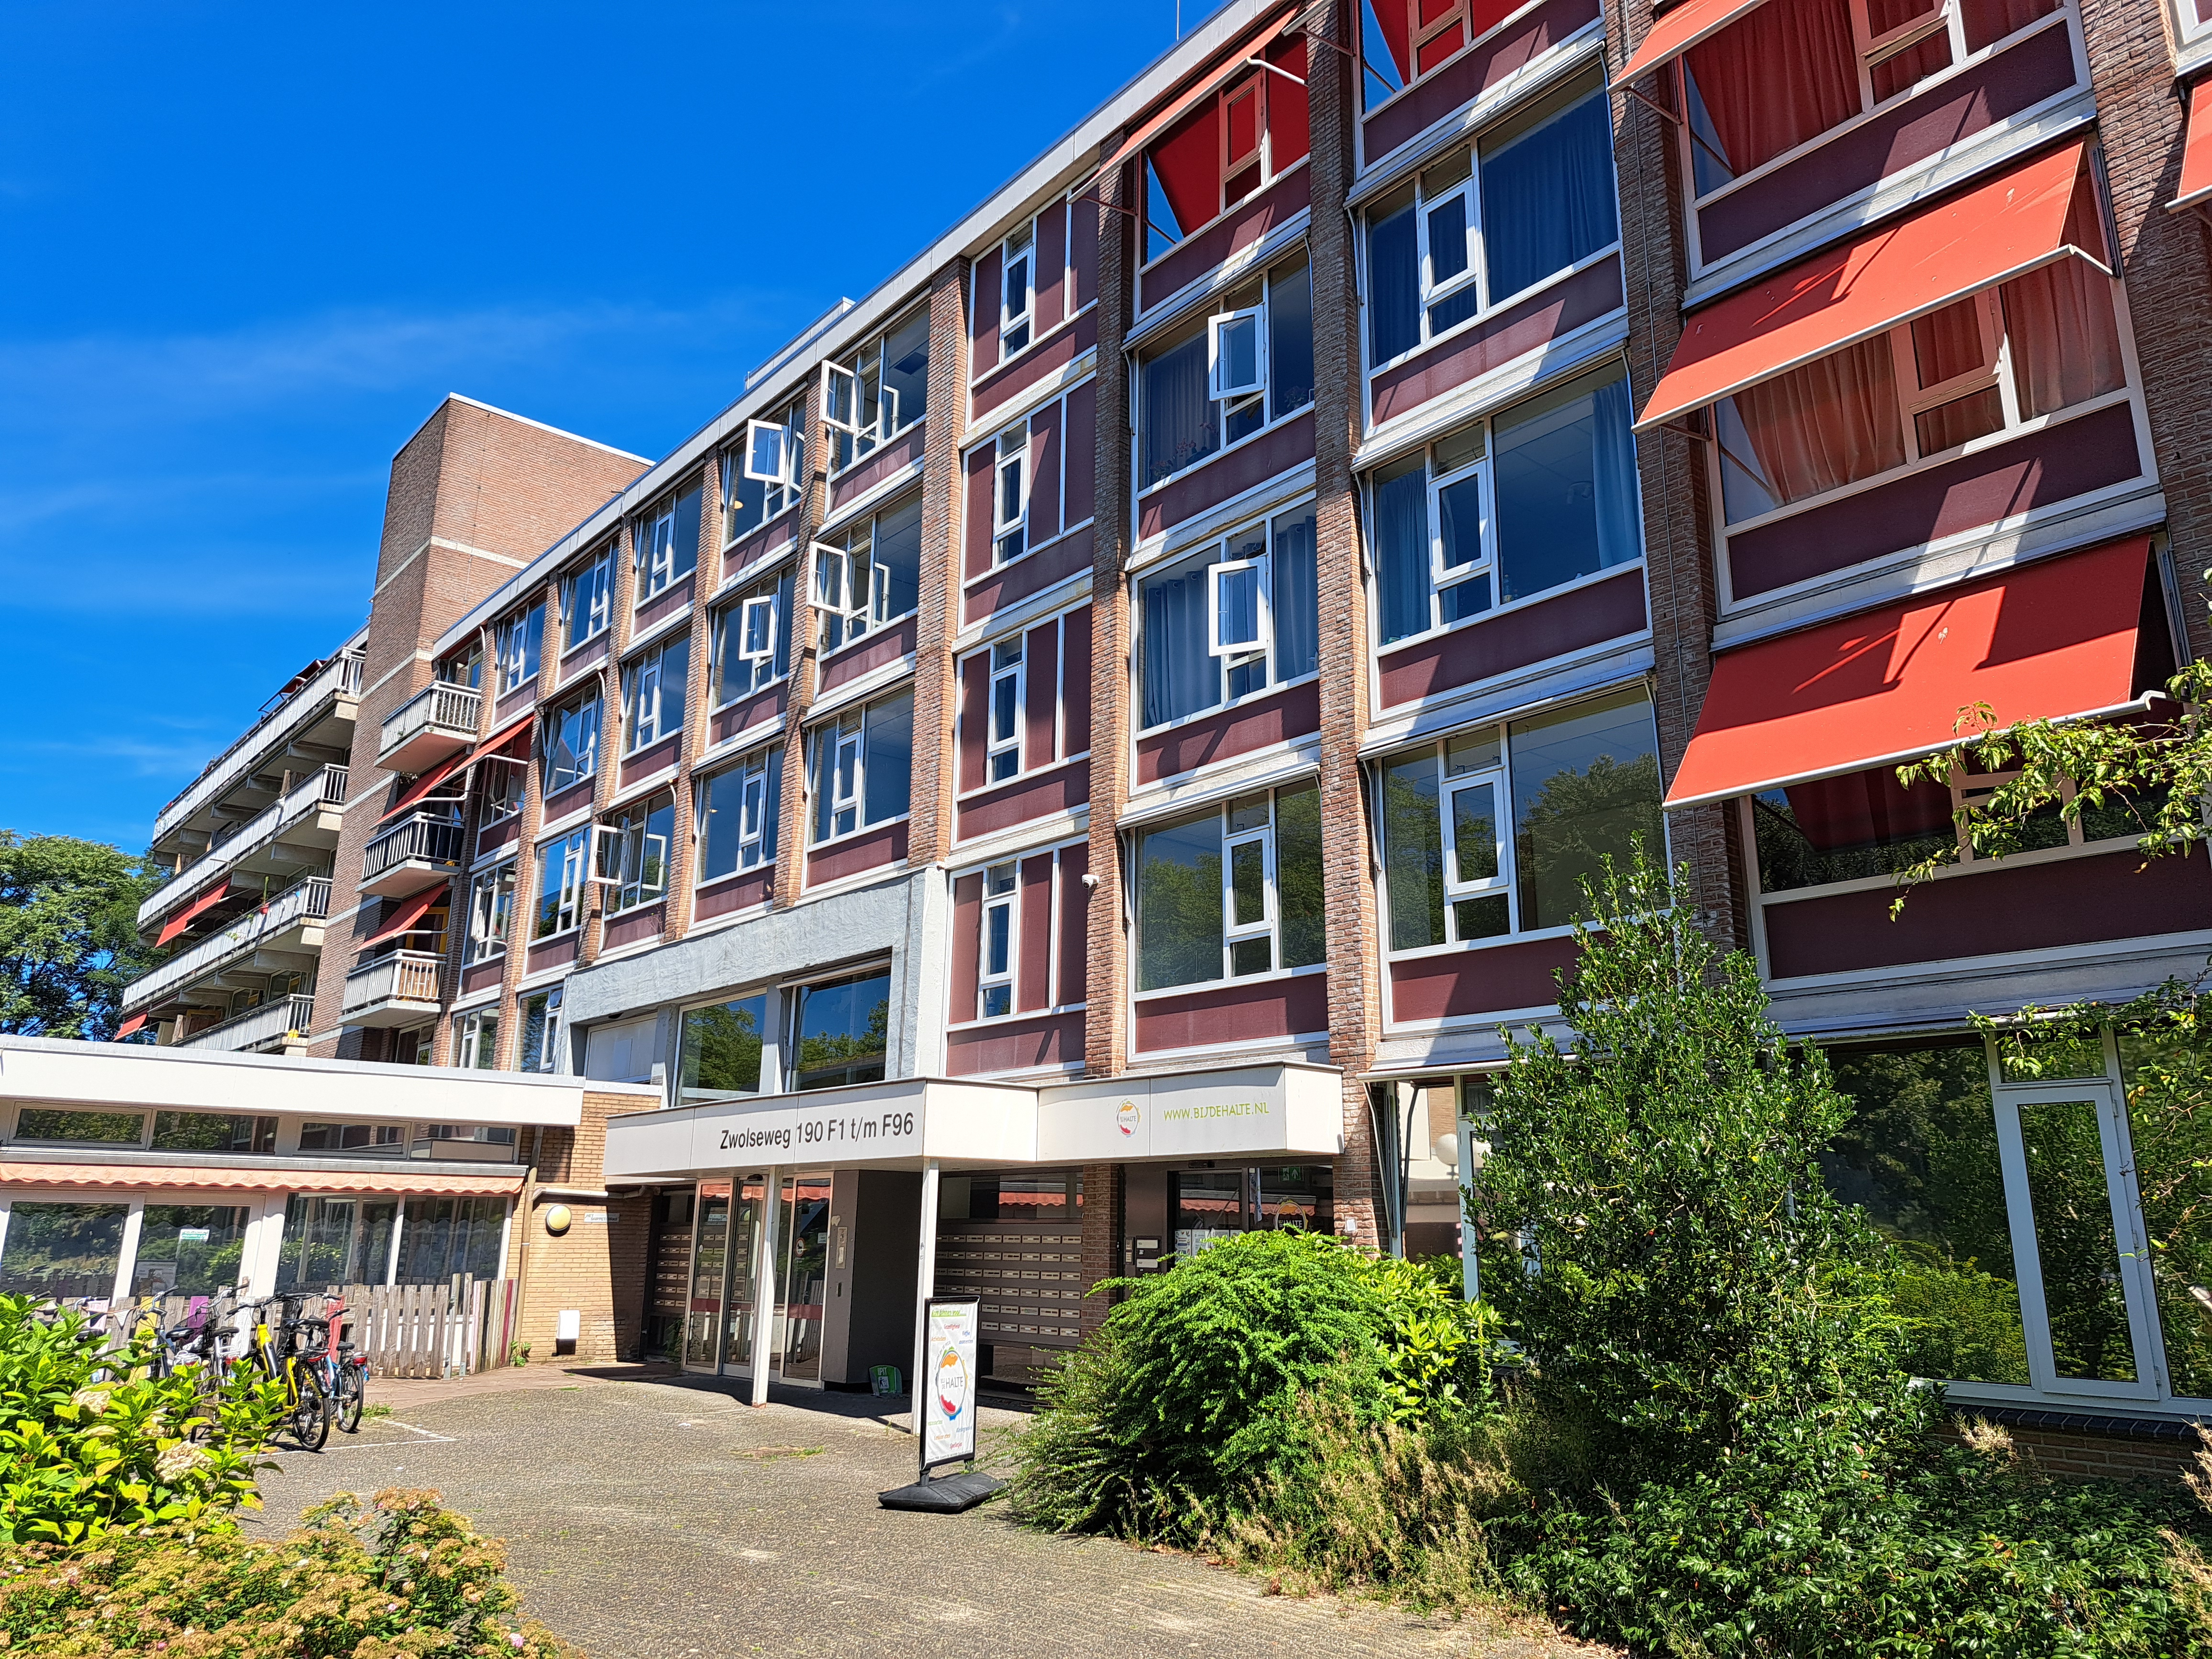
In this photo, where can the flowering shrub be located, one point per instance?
(401, 1575)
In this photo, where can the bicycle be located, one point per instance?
(277, 1352)
(342, 1372)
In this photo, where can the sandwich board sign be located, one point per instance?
(948, 1382)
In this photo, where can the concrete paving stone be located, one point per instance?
(652, 1516)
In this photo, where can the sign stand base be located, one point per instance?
(954, 1495)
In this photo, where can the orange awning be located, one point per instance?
(2197, 150)
(184, 918)
(1221, 69)
(446, 768)
(2021, 219)
(1679, 30)
(408, 917)
(2049, 640)
(16, 1174)
(128, 1027)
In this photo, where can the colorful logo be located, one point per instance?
(952, 1381)
(1127, 1117)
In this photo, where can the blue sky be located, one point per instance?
(248, 249)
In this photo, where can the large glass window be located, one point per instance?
(635, 848)
(862, 766)
(491, 908)
(61, 1249)
(475, 1040)
(653, 692)
(1207, 1205)
(1048, 1195)
(719, 1052)
(1542, 494)
(188, 1250)
(767, 475)
(869, 577)
(666, 545)
(738, 810)
(588, 599)
(1234, 891)
(90, 1128)
(880, 392)
(441, 1237)
(543, 1050)
(752, 639)
(518, 640)
(1221, 377)
(372, 1140)
(570, 753)
(1533, 197)
(563, 866)
(1490, 832)
(1230, 621)
(843, 1031)
(213, 1132)
(2169, 1116)
(337, 1241)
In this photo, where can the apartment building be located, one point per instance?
(1084, 754)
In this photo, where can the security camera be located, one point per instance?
(1090, 879)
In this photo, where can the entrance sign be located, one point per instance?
(948, 1384)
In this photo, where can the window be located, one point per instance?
(1003, 746)
(518, 640)
(1009, 496)
(1542, 494)
(666, 545)
(1781, 76)
(633, 850)
(843, 1031)
(871, 577)
(542, 1047)
(62, 1249)
(1490, 832)
(370, 1138)
(994, 993)
(337, 1240)
(719, 1054)
(1977, 369)
(562, 868)
(862, 766)
(491, 906)
(1230, 148)
(1230, 621)
(489, 1143)
(1017, 291)
(737, 815)
(1401, 41)
(571, 745)
(87, 1128)
(188, 1250)
(1185, 413)
(1232, 892)
(463, 667)
(766, 476)
(212, 1132)
(752, 639)
(653, 692)
(504, 776)
(439, 1238)
(873, 396)
(475, 1040)
(1533, 197)
(587, 596)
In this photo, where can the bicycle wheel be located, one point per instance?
(352, 1396)
(310, 1416)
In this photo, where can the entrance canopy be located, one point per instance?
(1290, 1110)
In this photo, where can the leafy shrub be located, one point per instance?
(1187, 1399)
(402, 1577)
(90, 1442)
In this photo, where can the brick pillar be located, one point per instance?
(1101, 1237)
(1678, 528)
(806, 655)
(936, 698)
(1105, 1034)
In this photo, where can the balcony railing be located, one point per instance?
(321, 789)
(341, 678)
(290, 1016)
(405, 976)
(307, 901)
(418, 838)
(429, 726)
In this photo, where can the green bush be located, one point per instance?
(403, 1576)
(1185, 1401)
(90, 1442)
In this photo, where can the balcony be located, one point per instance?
(421, 849)
(316, 719)
(309, 816)
(280, 1025)
(287, 932)
(437, 721)
(400, 989)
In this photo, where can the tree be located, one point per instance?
(68, 934)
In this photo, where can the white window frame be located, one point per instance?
(999, 902)
(1020, 245)
(648, 678)
(834, 585)
(622, 870)
(1475, 274)
(584, 769)
(847, 784)
(1262, 644)
(1484, 562)
(1234, 395)
(512, 648)
(469, 1030)
(1006, 748)
(1011, 454)
(844, 389)
(753, 826)
(764, 606)
(775, 466)
(599, 611)
(1450, 786)
(549, 1057)
(505, 783)
(574, 852)
(491, 911)
(1234, 932)
(655, 543)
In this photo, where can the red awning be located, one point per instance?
(15, 1173)
(191, 913)
(2049, 640)
(1218, 70)
(2197, 150)
(1679, 30)
(129, 1026)
(2035, 213)
(437, 775)
(407, 918)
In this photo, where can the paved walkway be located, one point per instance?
(650, 1517)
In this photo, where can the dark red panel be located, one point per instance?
(885, 645)
(1260, 724)
(1082, 250)
(589, 654)
(1497, 645)
(483, 973)
(1048, 356)
(1043, 569)
(2026, 73)
(764, 543)
(1488, 980)
(737, 892)
(666, 603)
(1082, 469)
(746, 713)
(878, 849)
(858, 480)
(1232, 473)
(655, 758)
(554, 952)
(1025, 799)
(976, 555)
(631, 927)
(975, 709)
(494, 836)
(1473, 73)
(1033, 966)
(2051, 465)
(1235, 1013)
(1051, 266)
(1074, 921)
(1513, 332)
(1075, 683)
(2112, 896)
(1228, 236)
(1044, 473)
(574, 798)
(1015, 1045)
(1041, 669)
(516, 703)
(967, 948)
(983, 335)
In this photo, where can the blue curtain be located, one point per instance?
(1619, 538)
(1394, 286)
(1547, 198)
(1290, 341)
(1180, 675)
(887, 773)
(1178, 415)
(1297, 622)
(1401, 553)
